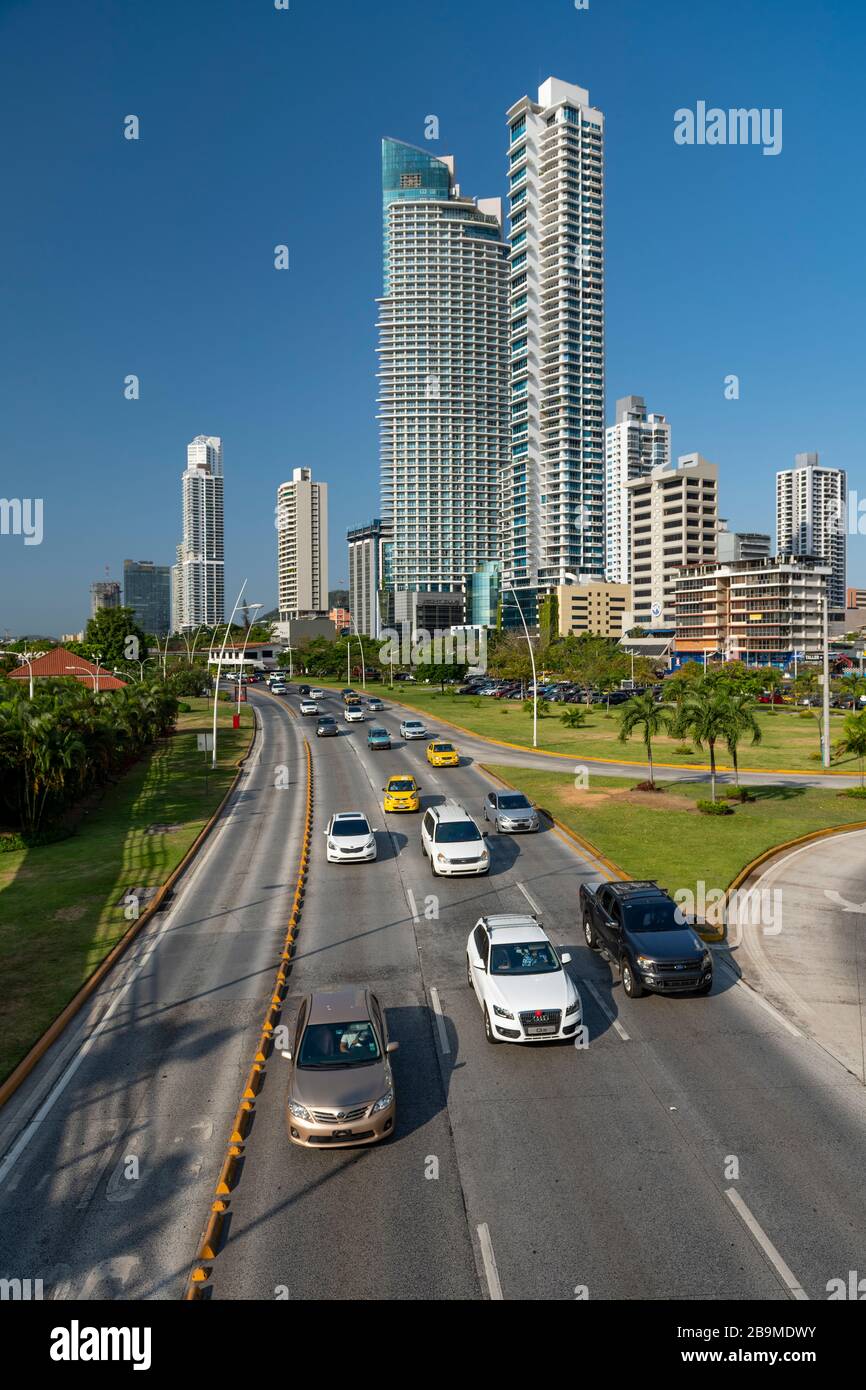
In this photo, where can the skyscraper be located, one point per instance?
(443, 364)
(198, 578)
(674, 522)
(635, 445)
(811, 517)
(302, 546)
(147, 591)
(104, 593)
(367, 574)
(553, 484)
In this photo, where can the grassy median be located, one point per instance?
(789, 742)
(662, 834)
(61, 906)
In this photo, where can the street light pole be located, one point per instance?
(220, 667)
(532, 662)
(250, 608)
(825, 739)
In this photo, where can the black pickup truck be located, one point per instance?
(645, 934)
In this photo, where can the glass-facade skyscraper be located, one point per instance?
(553, 483)
(443, 372)
(147, 591)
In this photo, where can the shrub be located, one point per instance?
(184, 708)
(715, 808)
(737, 794)
(573, 717)
(858, 793)
(685, 750)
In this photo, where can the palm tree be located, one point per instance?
(706, 717)
(853, 740)
(740, 720)
(772, 682)
(643, 713)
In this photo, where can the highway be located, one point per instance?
(698, 1148)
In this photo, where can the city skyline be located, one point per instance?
(692, 304)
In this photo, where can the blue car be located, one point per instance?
(377, 737)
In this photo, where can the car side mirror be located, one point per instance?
(288, 1054)
(566, 958)
(393, 1047)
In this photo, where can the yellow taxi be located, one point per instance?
(441, 754)
(401, 794)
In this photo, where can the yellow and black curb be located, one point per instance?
(211, 1239)
(17, 1077)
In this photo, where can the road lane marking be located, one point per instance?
(440, 1021)
(606, 1011)
(529, 898)
(759, 999)
(763, 1240)
(491, 1273)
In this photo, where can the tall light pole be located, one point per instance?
(825, 643)
(94, 675)
(251, 608)
(361, 647)
(507, 582)
(216, 692)
(26, 659)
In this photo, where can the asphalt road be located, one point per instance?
(700, 1147)
(607, 1169)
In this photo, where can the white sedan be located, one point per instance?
(412, 728)
(349, 837)
(524, 993)
(354, 714)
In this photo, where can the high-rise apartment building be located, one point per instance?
(147, 591)
(198, 577)
(553, 483)
(635, 445)
(302, 546)
(367, 570)
(443, 373)
(674, 521)
(811, 518)
(105, 593)
(741, 545)
(763, 612)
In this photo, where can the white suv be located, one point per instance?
(518, 977)
(412, 728)
(452, 841)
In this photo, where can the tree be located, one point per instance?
(771, 681)
(645, 714)
(548, 620)
(739, 721)
(705, 716)
(112, 637)
(853, 740)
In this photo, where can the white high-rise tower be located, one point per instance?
(302, 546)
(198, 577)
(635, 445)
(811, 518)
(553, 483)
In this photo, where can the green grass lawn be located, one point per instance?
(60, 905)
(661, 835)
(788, 741)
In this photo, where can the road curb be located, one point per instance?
(210, 1243)
(20, 1073)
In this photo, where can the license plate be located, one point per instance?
(542, 1028)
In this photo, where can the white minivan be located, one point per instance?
(452, 841)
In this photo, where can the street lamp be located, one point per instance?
(26, 659)
(251, 608)
(216, 691)
(361, 647)
(825, 737)
(94, 675)
(507, 582)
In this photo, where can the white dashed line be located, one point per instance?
(529, 898)
(765, 1005)
(440, 1021)
(494, 1288)
(797, 1291)
(606, 1011)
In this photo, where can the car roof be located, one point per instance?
(401, 777)
(451, 810)
(338, 1006)
(348, 815)
(412, 721)
(513, 926)
(326, 719)
(637, 888)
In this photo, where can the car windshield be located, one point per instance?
(453, 832)
(378, 733)
(654, 916)
(326, 719)
(401, 784)
(354, 826)
(442, 748)
(524, 958)
(413, 724)
(327, 1045)
(513, 803)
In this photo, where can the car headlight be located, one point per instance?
(502, 1013)
(299, 1111)
(573, 1008)
(706, 959)
(371, 843)
(646, 963)
(331, 845)
(442, 858)
(383, 1102)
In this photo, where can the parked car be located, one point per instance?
(452, 841)
(401, 794)
(341, 1087)
(518, 978)
(510, 811)
(326, 727)
(308, 707)
(349, 838)
(647, 937)
(412, 728)
(377, 737)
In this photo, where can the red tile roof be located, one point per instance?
(57, 662)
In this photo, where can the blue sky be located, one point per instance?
(261, 127)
